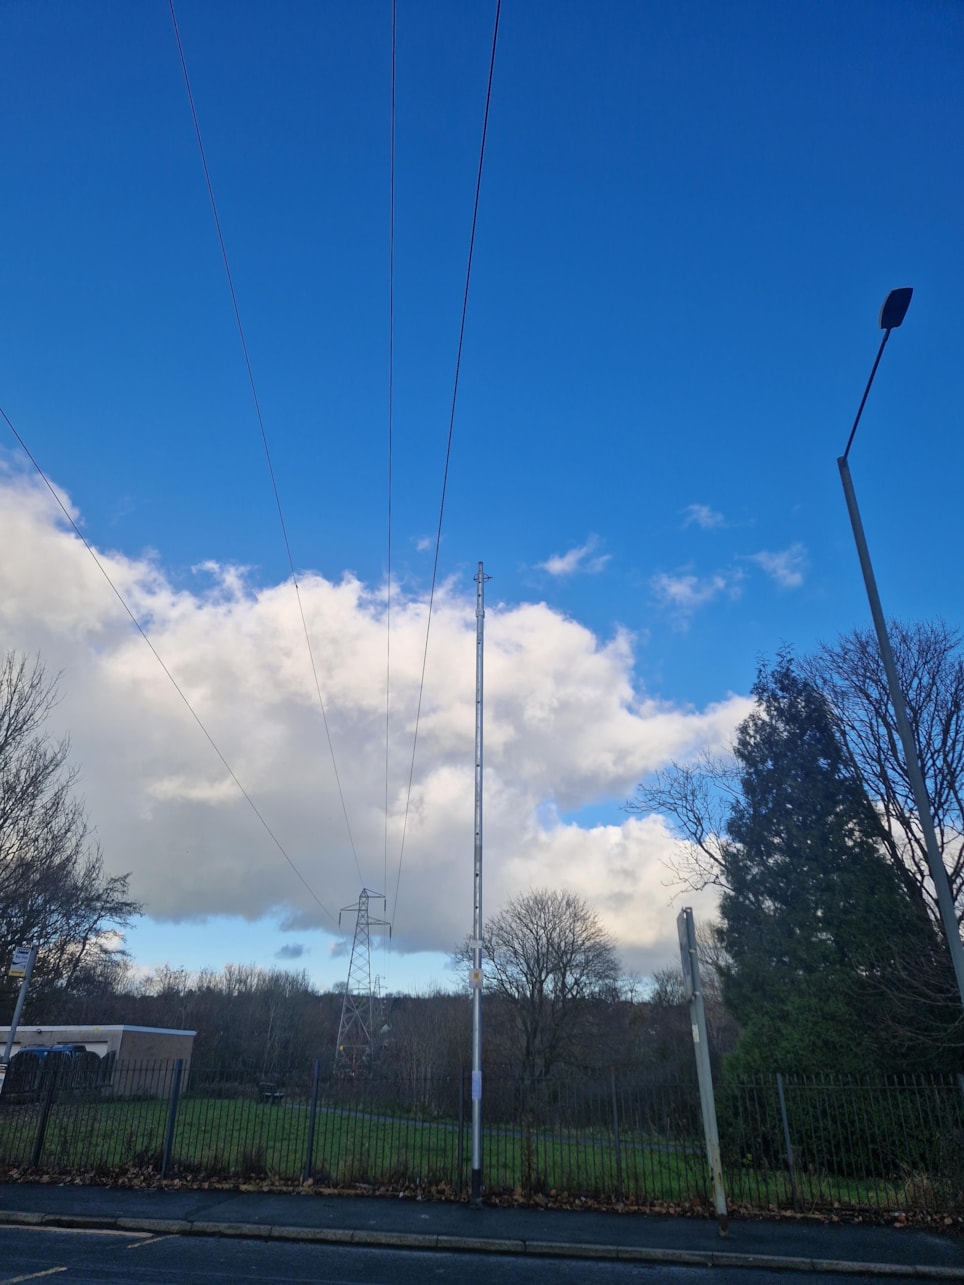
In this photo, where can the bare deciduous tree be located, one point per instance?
(549, 958)
(429, 1039)
(698, 797)
(53, 888)
(930, 668)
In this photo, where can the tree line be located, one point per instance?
(557, 1015)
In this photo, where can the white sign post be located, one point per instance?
(694, 993)
(24, 958)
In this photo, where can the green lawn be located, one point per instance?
(251, 1140)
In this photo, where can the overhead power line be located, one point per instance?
(448, 447)
(264, 435)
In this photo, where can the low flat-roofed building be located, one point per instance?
(141, 1058)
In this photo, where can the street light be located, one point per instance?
(891, 315)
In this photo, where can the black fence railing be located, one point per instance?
(619, 1137)
(822, 1142)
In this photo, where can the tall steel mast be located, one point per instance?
(476, 1193)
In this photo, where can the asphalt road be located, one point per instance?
(79, 1232)
(41, 1254)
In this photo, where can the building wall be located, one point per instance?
(142, 1057)
(99, 1039)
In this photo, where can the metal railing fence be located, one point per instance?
(810, 1143)
(822, 1142)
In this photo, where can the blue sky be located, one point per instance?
(689, 217)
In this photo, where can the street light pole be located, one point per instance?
(891, 315)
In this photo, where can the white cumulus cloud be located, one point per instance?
(566, 729)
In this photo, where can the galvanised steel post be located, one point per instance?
(891, 315)
(935, 862)
(693, 987)
(476, 976)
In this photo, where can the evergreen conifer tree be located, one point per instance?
(814, 916)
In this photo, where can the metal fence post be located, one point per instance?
(694, 991)
(48, 1101)
(172, 1106)
(786, 1142)
(460, 1160)
(619, 1158)
(309, 1150)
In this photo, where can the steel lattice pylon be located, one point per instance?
(354, 1048)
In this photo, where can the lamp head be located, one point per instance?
(895, 308)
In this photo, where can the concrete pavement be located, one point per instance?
(878, 1252)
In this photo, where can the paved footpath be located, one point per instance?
(880, 1253)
